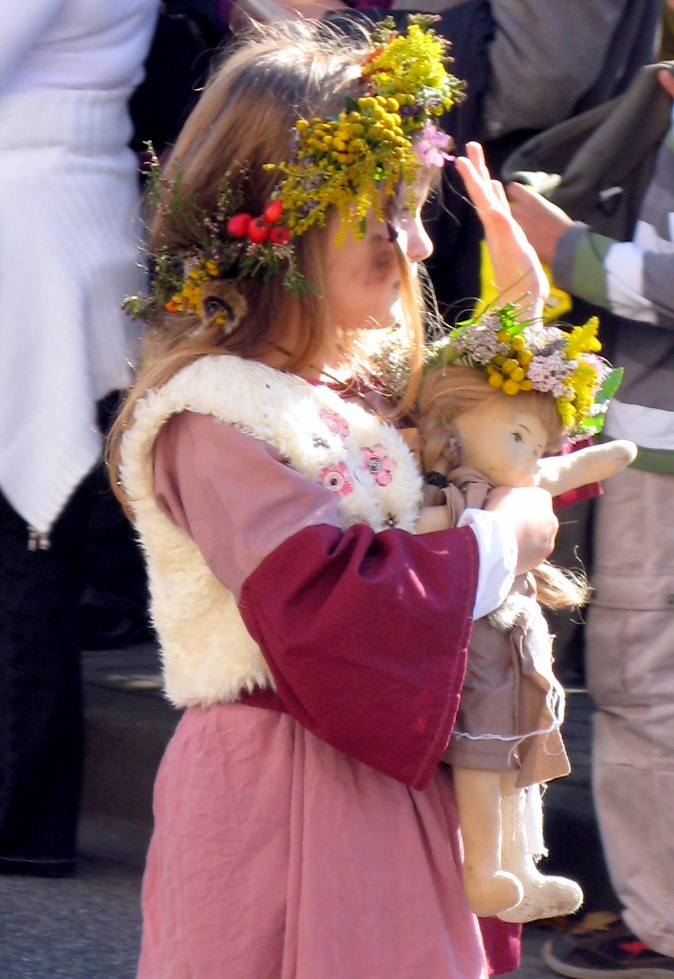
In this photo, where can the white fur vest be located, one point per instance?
(208, 656)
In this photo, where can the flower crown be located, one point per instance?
(519, 356)
(351, 162)
(377, 140)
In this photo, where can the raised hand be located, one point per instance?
(518, 273)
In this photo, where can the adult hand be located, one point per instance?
(529, 511)
(518, 274)
(542, 222)
(665, 77)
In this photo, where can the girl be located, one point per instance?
(317, 644)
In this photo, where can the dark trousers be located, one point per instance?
(41, 723)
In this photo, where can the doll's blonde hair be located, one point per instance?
(445, 394)
(243, 120)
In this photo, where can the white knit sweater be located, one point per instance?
(68, 235)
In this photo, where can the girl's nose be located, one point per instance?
(419, 244)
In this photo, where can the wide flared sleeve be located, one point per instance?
(365, 634)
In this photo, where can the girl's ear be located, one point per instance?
(558, 474)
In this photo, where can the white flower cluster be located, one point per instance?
(480, 344)
(549, 372)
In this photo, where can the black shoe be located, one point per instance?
(20, 867)
(611, 951)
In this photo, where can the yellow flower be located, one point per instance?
(583, 339)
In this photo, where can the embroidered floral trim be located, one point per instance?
(335, 424)
(337, 479)
(378, 464)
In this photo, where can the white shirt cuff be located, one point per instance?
(497, 548)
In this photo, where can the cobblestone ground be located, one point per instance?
(85, 928)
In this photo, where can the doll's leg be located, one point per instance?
(543, 897)
(488, 889)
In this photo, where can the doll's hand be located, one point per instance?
(529, 512)
(559, 474)
(519, 276)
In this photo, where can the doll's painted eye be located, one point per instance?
(518, 437)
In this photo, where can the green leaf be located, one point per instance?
(609, 386)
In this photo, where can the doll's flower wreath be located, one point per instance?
(351, 162)
(520, 356)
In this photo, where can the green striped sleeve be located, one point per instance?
(578, 264)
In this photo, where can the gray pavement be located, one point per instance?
(84, 928)
(89, 927)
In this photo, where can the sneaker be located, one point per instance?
(611, 951)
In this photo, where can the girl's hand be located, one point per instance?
(517, 270)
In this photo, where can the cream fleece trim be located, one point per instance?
(208, 655)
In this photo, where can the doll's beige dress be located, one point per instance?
(511, 704)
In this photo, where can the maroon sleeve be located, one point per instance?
(502, 945)
(365, 633)
(366, 637)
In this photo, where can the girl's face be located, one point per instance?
(364, 276)
(503, 438)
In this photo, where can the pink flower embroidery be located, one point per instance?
(336, 478)
(335, 424)
(430, 148)
(379, 464)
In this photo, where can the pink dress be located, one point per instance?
(311, 834)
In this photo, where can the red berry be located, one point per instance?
(258, 230)
(238, 225)
(273, 212)
(279, 235)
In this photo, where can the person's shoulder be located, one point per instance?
(210, 434)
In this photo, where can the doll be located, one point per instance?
(499, 395)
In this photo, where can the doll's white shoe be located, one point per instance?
(544, 897)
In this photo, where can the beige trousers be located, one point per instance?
(630, 675)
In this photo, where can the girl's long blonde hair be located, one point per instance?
(448, 392)
(242, 121)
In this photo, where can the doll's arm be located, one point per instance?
(433, 518)
(558, 474)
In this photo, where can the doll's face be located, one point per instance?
(503, 438)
